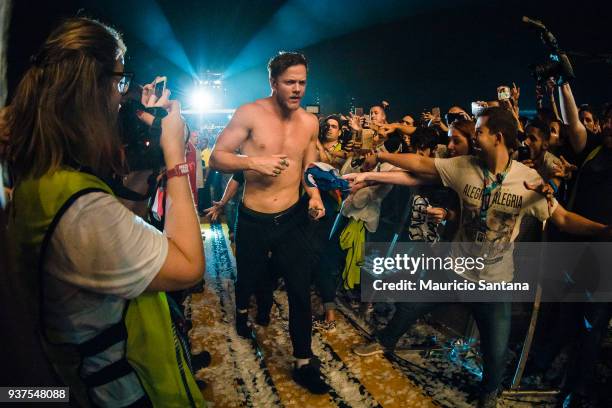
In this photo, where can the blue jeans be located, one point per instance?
(493, 320)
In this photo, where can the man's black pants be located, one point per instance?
(271, 244)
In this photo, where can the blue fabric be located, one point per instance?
(325, 178)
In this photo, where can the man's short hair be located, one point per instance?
(587, 108)
(334, 117)
(279, 64)
(502, 121)
(541, 126)
(424, 138)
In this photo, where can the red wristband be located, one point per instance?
(181, 169)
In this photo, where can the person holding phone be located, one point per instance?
(486, 224)
(94, 272)
(160, 86)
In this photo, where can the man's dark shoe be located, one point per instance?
(309, 376)
(488, 400)
(201, 360)
(242, 328)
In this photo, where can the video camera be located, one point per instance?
(558, 66)
(141, 142)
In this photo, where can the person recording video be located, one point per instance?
(94, 271)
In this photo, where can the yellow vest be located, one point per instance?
(152, 351)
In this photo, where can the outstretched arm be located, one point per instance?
(420, 166)
(360, 180)
(578, 225)
(388, 177)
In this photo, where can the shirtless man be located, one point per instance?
(277, 139)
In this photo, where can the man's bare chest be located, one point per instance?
(268, 138)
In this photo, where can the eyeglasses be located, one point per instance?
(125, 78)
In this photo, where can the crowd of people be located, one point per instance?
(93, 276)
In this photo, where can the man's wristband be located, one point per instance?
(552, 184)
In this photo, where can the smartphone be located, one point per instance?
(358, 111)
(435, 112)
(478, 107)
(367, 139)
(160, 86)
(503, 93)
(523, 153)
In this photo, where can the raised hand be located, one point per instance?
(544, 189)
(564, 169)
(173, 128)
(515, 93)
(355, 122)
(148, 98)
(348, 146)
(270, 165)
(386, 129)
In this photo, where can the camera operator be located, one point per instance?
(94, 270)
(591, 197)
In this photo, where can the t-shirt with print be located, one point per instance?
(509, 202)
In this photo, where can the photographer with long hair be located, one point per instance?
(93, 271)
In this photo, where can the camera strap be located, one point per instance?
(122, 191)
(155, 130)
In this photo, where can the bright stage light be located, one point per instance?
(202, 100)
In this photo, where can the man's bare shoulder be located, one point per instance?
(251, 108)
(309, 118)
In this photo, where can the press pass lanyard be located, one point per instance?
(488, 189)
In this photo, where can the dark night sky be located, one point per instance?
(433, 55)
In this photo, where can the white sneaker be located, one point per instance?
(324, 326)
